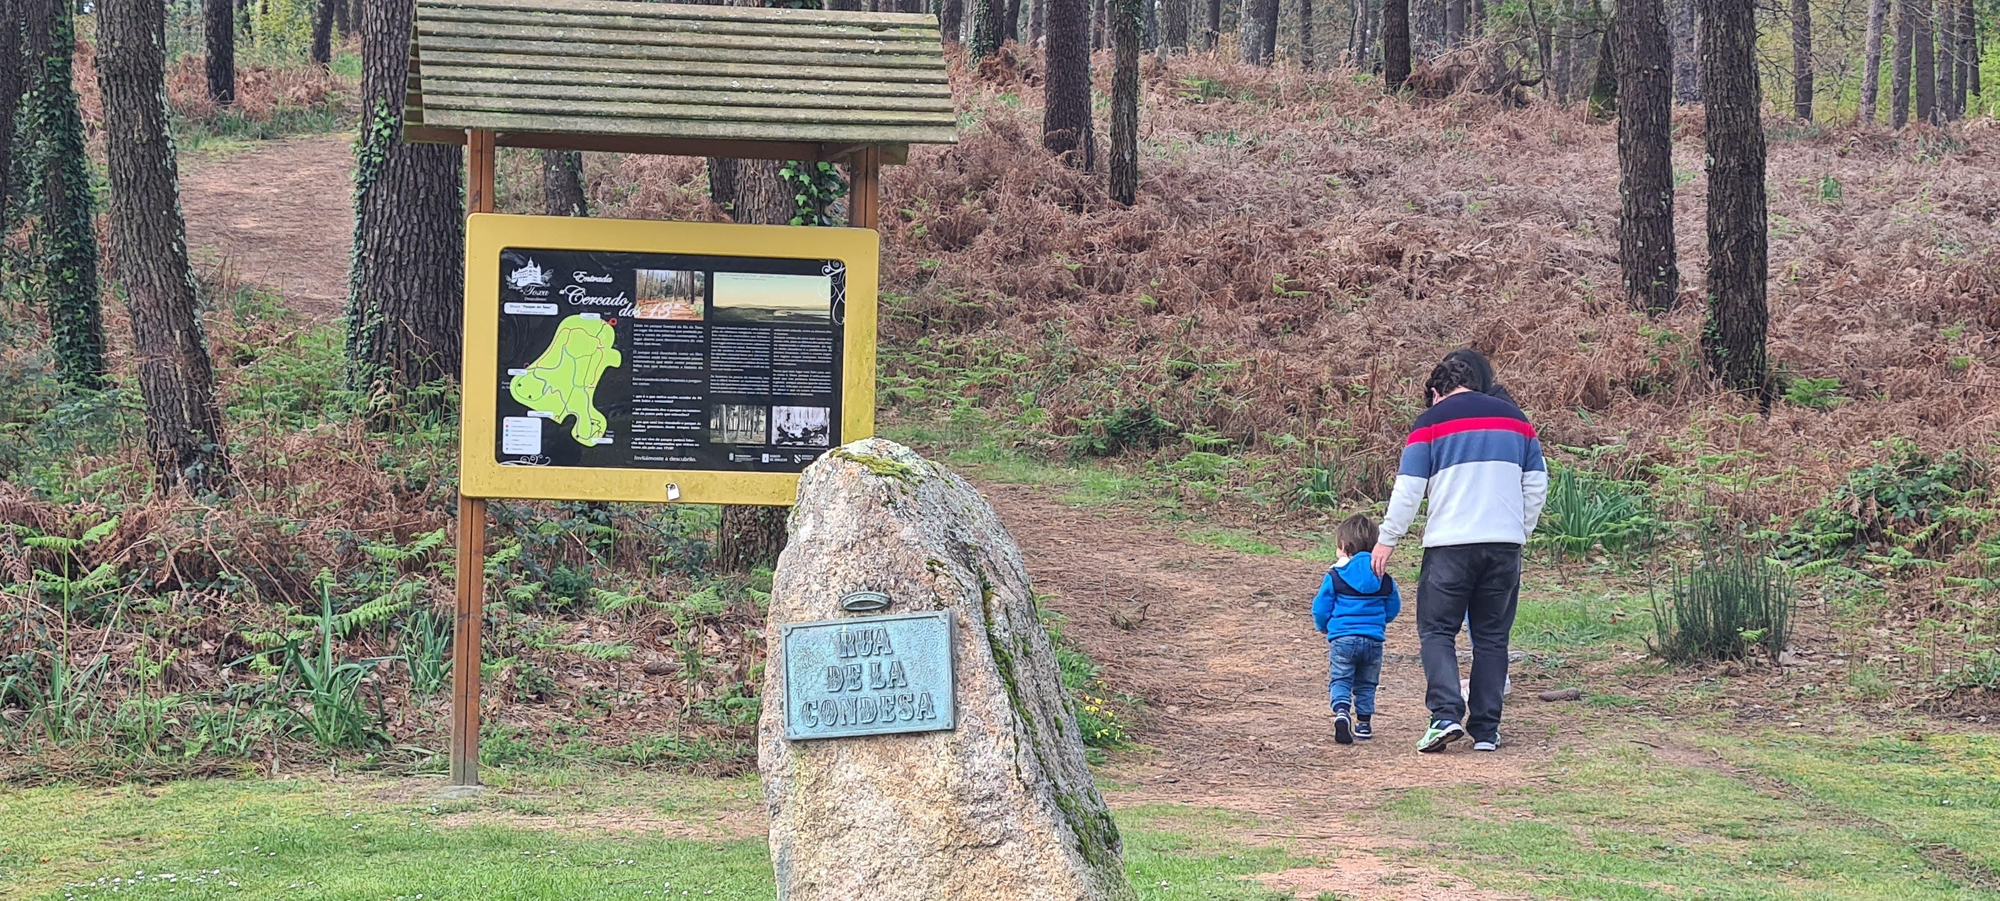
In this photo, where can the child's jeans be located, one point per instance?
(1354, 667)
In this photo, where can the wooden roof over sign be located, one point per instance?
(635, 70)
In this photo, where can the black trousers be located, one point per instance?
(1479, 583)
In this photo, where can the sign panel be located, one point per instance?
(869, 675)
(656, 361)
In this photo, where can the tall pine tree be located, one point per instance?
(60, 175)
(1738, 246)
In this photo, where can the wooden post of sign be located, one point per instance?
(465, 642)
(865, 200)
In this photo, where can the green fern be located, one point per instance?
(614, 602)
(398, 555)
(600, 650)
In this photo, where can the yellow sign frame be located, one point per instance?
(486, 234)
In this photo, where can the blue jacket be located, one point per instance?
(1352, 601)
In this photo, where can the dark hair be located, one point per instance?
(1357, 533)
(1482, 370)
(1450, 376)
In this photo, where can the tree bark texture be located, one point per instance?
(1924, 74)
(1066, 127)
(1125, 100)
(1177, 24)
(1645, 157)
(1604, 87)
(1968, 55)
(1802, 60)
(13, 84)
(1738, 250)
(1947, 58)
(1011, 25)
(562, 183)
(403, 327)
(1212, 24)
(1454, 22)
(1395, 43)
(322, 43)
(1871, 67)
(343, 23)
(951, 20)
(1306, 34)
(1426, 28)
(1687, 51)
(988, 24)
(1100, 34)
(59, 181)
(1259, 27)
(149, 246)
(219, 25)
(1899, 71)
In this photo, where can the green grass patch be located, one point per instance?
(387, 839)
(1083, 483)
(1242, 541)
(1560, 616)
(1628, 823)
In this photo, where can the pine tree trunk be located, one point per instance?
(1924, 75)
(1100, 34)
(1738, 252)
(1037, 17)
(220, 28)
(1544, 47)
(1871, 67)
(1271, 10)
(322, 44)
(1899, 71)
(1967, 54)
(1212, 27)
(1306, 34)
(1125, 101)
(1011, 26)
(987, 26)
(752, 536)
(343, 24)
(1802, 60)
(1066, 129)
(951, 20)
(59, 179)
(1454, 22)
(1645, 157)
(1604, 87)
(149, 241)
(1947, 57)
(1395, 43)
(1426, 28)
(1250, 31)
(403, 326)
(1177, 25)
(13, 83)
(1687, 52)
(562, 183)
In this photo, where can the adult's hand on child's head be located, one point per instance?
(1379, 558)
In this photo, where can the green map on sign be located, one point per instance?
(562, 382)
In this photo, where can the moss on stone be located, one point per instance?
(881, 466)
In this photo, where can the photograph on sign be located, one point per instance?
(869, 675)
(656, 361)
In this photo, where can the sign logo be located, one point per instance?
(529, 276)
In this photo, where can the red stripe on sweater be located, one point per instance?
(1471, 424)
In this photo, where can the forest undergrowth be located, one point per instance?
(1247, 338)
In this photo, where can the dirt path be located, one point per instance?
(280, 216)
(1225, 656)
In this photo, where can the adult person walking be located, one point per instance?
(1477, 458)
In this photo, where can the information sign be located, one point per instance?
(662, 361)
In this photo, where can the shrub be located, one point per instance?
(1732, 600)
(1898, 501)
(1586, 510)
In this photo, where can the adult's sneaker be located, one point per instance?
(1486, 745)
(1440, 734)
(1343, 732)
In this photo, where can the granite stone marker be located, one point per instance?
(992, 800)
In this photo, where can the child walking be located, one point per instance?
(1351, 608)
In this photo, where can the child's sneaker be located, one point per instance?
(1343, 732)
(1363, 731)
(1440, 734)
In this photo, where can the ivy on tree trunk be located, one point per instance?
(183, 421)
(60, 182)
(403, 322)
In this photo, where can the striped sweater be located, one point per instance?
(1478, 459)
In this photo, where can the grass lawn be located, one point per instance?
(560, 835)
